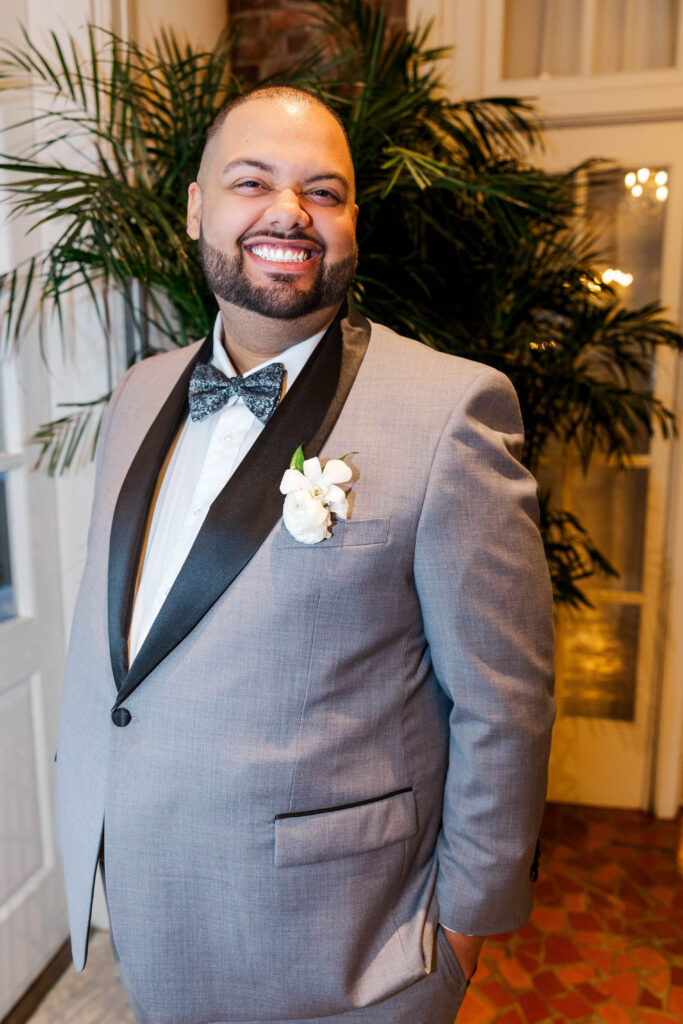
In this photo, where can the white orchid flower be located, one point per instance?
(311, 494)
(306, 517)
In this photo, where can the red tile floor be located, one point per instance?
(605, 941)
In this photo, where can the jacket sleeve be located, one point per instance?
(486, 602)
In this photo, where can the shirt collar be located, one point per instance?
(293, 358)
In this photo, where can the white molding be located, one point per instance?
(631, 117)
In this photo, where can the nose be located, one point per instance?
(286, 212)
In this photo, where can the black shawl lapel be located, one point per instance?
(250, 504)
(130, 514)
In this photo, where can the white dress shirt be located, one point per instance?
(205, 457)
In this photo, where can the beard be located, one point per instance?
(280, 299)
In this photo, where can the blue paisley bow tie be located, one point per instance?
(210, 390)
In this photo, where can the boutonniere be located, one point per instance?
(312, 494)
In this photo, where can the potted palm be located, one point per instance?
(463, 243)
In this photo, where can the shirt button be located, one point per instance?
(121, 717)
(196, 511)
(227, 437)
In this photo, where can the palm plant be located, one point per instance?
(112, 157)
(463, 244)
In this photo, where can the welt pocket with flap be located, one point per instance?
(345, 533)
(308, 837)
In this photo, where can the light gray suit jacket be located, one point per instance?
(331, 747)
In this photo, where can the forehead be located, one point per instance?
(279, 129)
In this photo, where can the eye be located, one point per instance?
(249, 186)
(323, 197)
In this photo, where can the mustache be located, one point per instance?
(284, 236)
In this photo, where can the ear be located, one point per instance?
(355, 214)
(194, 209)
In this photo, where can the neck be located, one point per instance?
(251, 339)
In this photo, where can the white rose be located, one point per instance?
(306, 518)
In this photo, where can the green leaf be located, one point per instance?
(297, 461)
(343, 458)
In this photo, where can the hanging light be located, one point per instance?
(661, 193)
(637, 190)
(643, 175)
(630, 179)
(661, 178)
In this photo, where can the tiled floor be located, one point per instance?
(95, 996)
(604, 945)
(605, 941)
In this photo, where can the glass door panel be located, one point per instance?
(600, 659)
(625, 212)
(608, 672)
(542, 38)
(612, 503)
(630, 36)
(626, 209)
(546, 38)
(599, 646)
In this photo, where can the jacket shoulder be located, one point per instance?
(148, 382)
(401, 356)
(163, 363)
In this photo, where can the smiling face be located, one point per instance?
(274, 209)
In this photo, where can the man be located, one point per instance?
(322, 777)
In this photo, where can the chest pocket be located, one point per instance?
(345, 533)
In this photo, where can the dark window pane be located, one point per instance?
(634, 37)
(541, 38)
(601, 650)
(611, 504)
(8, 607)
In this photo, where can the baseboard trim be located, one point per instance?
(48, 977)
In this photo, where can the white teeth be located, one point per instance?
(267, 252)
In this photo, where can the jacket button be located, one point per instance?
(120, 716)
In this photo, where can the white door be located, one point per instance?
(33, 921)
(609, 663)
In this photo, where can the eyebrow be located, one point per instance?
(261, 165)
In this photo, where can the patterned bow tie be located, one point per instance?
(210, 390)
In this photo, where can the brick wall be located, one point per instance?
(275, 32)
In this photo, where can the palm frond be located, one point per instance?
(571, 553)
(68, 441)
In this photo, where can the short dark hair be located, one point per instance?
(282, 90)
